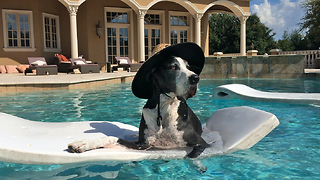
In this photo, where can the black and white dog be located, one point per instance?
(167, 121)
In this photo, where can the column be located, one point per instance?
(73, 30)
(243, 20)
(205, 34)
(141, 53)
(197, 18)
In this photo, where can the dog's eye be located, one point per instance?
(173, 67)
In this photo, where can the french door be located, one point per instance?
(152, 38)
(117, 42)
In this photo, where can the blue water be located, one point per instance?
(291, 151)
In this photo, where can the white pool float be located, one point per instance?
(31, 142)
(240, 91)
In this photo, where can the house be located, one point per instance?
(102, 29)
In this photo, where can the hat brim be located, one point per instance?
(191, 52)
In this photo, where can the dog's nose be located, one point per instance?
(194, 79)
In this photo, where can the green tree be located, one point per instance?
(293, 41)
(259, 35)
(311, 22)
(225, 34)
(285, 43)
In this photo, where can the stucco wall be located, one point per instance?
(90, 13)
(37, 7)
(286, 66)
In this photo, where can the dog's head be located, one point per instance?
(174, 77)
(170, 67)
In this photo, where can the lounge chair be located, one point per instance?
(83, 66)
(63, 63)
(41, 66)
(126, 64)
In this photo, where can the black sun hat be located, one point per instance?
(191, 52)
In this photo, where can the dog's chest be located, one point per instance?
(167, 134)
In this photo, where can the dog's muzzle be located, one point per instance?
(193, 79)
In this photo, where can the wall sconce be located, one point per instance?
(99, 29)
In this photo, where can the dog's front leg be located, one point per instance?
(197, 150)
(86, 145)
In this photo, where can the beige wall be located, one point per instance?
(37, 7)
(89, 13)
(202, 4)
(92, 11)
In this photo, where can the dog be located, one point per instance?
(167, 121)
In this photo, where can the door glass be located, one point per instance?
(112, 44)
(146, 43)
(174, 37)
(155, 38)
(123, 35)
(183, 36)
(152, 39)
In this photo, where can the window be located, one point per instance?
(51, 33)
(117, 17)
(178, 21)
(152, 19)
(179, 27)
(18, 30)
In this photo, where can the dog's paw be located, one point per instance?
(86, 145)
(80, 146)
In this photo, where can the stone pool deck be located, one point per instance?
(13, 83)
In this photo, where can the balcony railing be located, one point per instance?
(311, 56)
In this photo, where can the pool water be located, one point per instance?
(291, 151)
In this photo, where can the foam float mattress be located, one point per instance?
(240, 91)
(31, 142)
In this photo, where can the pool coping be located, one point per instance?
(15, 83)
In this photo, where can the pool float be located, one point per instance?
(32, 142)
(240, 91)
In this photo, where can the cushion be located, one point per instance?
(123, 61)
(38, 63)
(62, 57)
(3, 70)
(21, 68)
(11, 69)
(79, 62)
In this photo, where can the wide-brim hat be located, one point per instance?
(191, 52)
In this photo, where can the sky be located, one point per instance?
(278, 15)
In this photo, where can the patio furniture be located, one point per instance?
(105, 66)
(83, 66)
(126, 64)
(41, 66)
(64, 64)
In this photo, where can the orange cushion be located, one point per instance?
(21, 68)
(11, 69)
(3, 70)
(62, 57)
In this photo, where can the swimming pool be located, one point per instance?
(291, 151)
